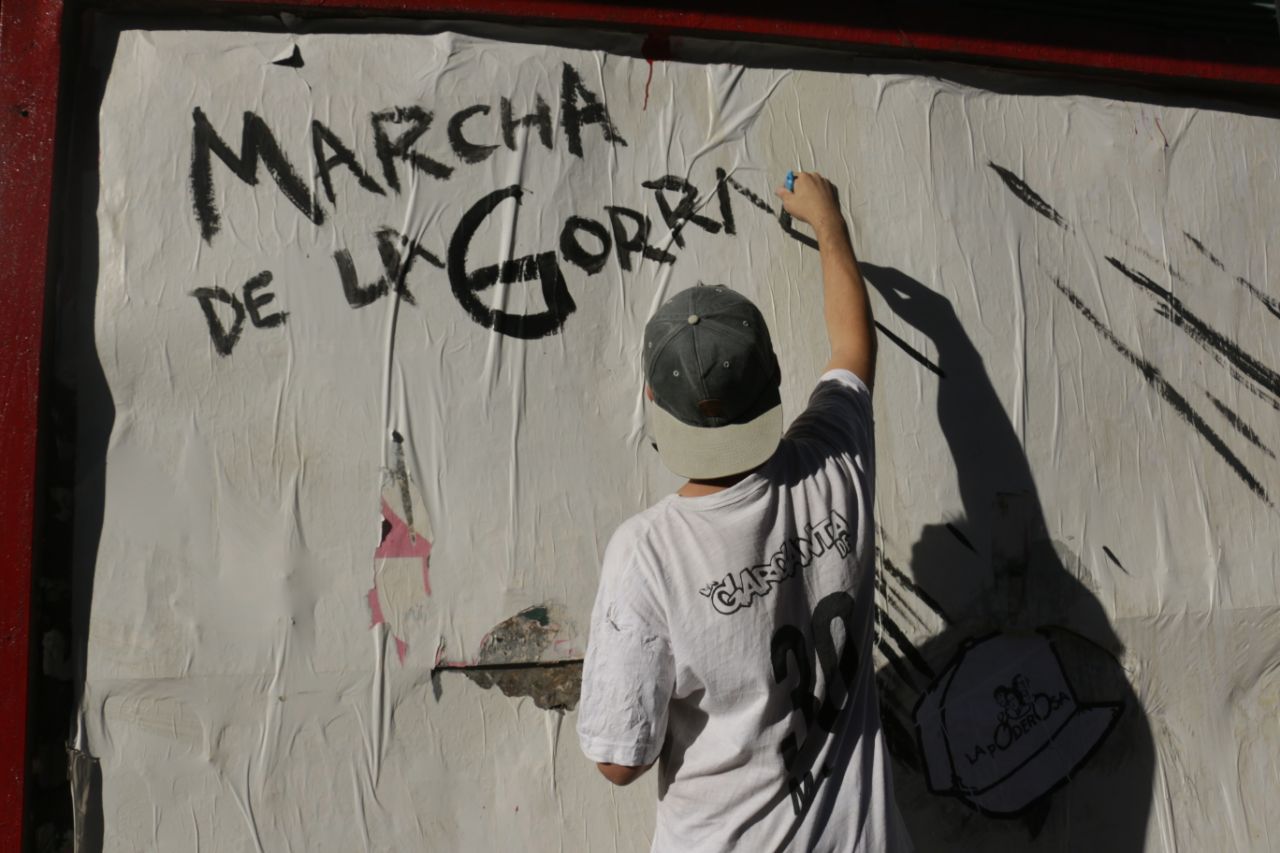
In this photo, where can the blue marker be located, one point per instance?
(790, 183)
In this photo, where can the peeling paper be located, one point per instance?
(402, 560)
(530, 655)
(368, 310)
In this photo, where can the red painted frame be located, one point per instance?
(29, 66)
(30, 62)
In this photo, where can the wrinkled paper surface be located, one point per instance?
(371, 343)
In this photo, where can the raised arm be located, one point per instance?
(848, 311)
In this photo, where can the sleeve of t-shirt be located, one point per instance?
(838, 415)
(629, 675)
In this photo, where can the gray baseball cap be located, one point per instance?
(716, 409)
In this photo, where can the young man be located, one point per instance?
(732, 631)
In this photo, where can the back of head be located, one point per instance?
(714, 378)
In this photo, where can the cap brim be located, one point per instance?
(704, 453)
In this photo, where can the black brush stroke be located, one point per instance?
(899, 736)
(1179, 403)
(1111, 556)
(1239, 425)
(964, 540)
(911, 585)
(892, 595)
(1028, 196)
(1256, 391)
(559, 663)
(789, 227)
(1201, 332)
(784, 218)
(909, 650)
(911, 351)
(1200, 246)
(1154, 258)
(895, 662)
(750, 196)
(1269, 302)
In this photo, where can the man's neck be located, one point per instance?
(699, 488)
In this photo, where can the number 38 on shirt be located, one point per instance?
(790, 655)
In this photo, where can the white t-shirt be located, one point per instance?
(731, 637)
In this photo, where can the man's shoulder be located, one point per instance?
(633, 537)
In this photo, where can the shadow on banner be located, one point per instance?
(1013, 727)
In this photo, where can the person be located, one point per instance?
(732, 630)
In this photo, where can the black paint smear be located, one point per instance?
(1114, 559)
(899, 737)
(1269, 302)
(628, 244)
(784, 218)
(726, 203)
(322, 137)
(358, 295)
(398, 254)
(224, 339)
(911, 351)
(1239, 425)
(539, 118)
(750, 196)
(467, 151)
(401, 148)
(901, 578)
(1028, 196)
(901, 602)
(559, 663)
(255, 302)
(401, 475)
(684, 211)
(1154, 258)
(256, 298)
(1200, 331)
(895, 662)
(573, 115)
(955, 531)
(1200, 246)
(256, 143)
(575, 253)
(1179, 403)
(909, 650)
(293, 60)
(467, 283)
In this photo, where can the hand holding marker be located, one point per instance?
(790, 182)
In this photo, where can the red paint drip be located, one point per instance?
(657, 46)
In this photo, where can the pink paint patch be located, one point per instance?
(401, 541)
(402, 648)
